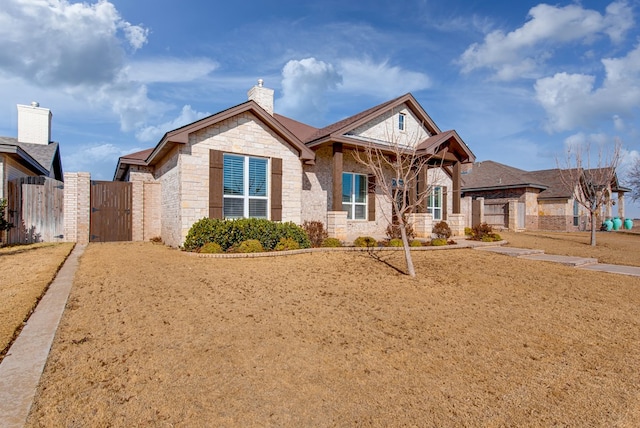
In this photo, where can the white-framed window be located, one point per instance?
(354, 195)
(245, 186)
(576, 213)
(434, 203)
(401, 121)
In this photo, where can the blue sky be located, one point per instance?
(519, 81)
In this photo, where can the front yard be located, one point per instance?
(25, 273)
(152, 336)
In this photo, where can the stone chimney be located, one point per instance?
(263, 96)
(34, 124)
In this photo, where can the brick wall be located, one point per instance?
(77, 200)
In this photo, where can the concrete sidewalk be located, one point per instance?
(577, 262)
(22, 367)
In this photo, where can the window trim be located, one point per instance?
(352, 196)
(402, 122)
(437, 192)
(246, 197)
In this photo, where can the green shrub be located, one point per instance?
(315, 231)
(287, 244)
(4, 224)
(210, 248)
(230, 233)
(393, 231)
(491, 237)
(468, 231)
(249, 246)
(496, 237)
(331, 243)
(415, 243)
(442, 230)
(365, 241)
(437, 242)
(395, 242)
(482, 232)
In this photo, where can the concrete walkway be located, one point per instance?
(578, 262)
(22, 367)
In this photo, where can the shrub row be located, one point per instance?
(229, 234)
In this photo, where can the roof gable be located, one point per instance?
(180, 136)
(349, 124)
(42, 159)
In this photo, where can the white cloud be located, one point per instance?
(304, 87)
(548, 25)
(169, 70)
(306, 83)
(381, 79)
(100, 159)
(572, 100)
(54, 42)
(154, 133)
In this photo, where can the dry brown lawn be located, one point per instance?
(621, 248)
(25, 273)
(155, 337)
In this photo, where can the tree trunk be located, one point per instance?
(593, 229)
(407, 249)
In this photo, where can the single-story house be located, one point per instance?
(516, 199)
(248, 161)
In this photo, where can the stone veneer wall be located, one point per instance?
(167, 173)
(385, 128)
(185, 174)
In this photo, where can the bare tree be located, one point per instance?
(397, 169)
(589, 179)
(633, 179)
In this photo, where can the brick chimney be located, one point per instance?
(263, 96)
(34, 124)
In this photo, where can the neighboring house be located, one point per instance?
(530, 200)
(248, 161)
(32, 153)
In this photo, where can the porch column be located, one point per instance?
(337, 177)
(621, 205)
(457, 180)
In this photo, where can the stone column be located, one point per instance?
(621, 205)
(337, 224)
(337, 168)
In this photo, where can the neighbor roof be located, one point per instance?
(43, 159)
(490, 175)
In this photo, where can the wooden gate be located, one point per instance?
(36, 209)
(110, 211)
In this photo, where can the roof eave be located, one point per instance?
(23, 158)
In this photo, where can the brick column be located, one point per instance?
(77, 205)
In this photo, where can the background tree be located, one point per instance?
(634, 179)
(397, 169)
(589, 177)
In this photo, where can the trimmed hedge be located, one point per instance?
(230, 233)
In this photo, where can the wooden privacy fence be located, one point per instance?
(36, 209)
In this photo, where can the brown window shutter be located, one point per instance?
(444, 202)
(276, 189)
(215, 184)
(371, 197)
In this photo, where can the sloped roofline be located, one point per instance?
(337, 130)
(180, 136)
(23, 158)
(434, 143)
